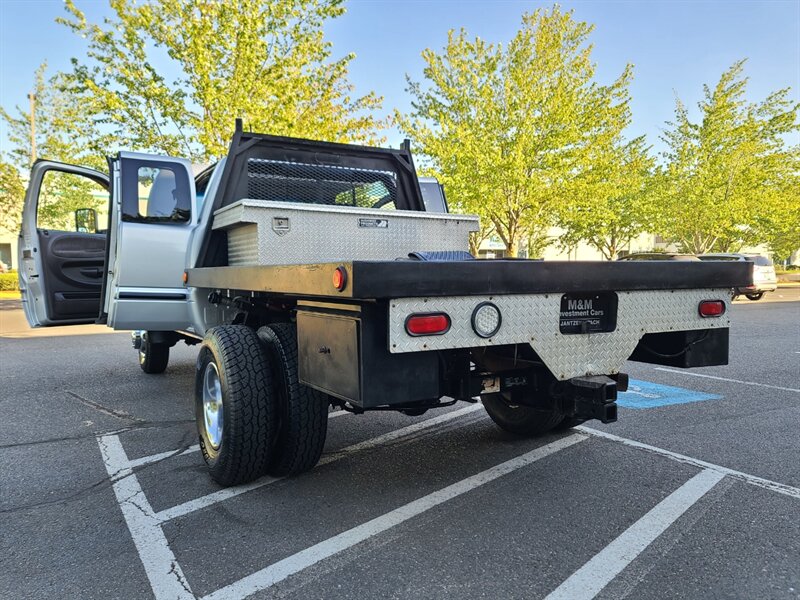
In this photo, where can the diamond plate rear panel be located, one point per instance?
(243, 245)
(285, 233)
(534, 319)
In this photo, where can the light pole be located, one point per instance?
(32, 98)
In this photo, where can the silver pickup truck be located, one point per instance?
(314, 273)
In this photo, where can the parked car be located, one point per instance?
(764, 277)
(658, 256)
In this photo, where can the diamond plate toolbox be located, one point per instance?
(534, 319)
(265, 232)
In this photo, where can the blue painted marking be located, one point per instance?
(643, 394)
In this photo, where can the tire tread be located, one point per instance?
(156, 358)
(304, 414)
(248, 432)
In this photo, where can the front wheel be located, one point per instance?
(755, 297)
(153, 357)
(519, 419)
(235, 407)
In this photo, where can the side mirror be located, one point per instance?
(86, 220)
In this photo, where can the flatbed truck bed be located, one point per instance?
(369, 280)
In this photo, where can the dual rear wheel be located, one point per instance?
(523, 420)
(253, 415)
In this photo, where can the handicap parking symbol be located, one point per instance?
(644, 394)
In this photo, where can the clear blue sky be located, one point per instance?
(675, 46)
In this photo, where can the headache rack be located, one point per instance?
(274, 168)
(283, 181)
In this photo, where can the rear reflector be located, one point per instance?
(428, 324)
(712, 308)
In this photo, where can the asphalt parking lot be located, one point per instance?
(693, 493)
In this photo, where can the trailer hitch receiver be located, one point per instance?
(595, 397)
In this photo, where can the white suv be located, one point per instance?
(764, 278)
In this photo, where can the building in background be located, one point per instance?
(8, 248)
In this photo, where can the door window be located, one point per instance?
(155, 193)
(62, 196)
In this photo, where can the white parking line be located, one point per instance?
(166, 577)
(766, 385)
(781, 488)
(146, 460)
(596, 574)
(227, 493)
(305, 558)
(162, 570)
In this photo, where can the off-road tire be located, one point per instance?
(754, 297)
(520, 420)
(153, 358)
(302, 412)
(249, 407)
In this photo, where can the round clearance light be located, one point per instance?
(486, 319)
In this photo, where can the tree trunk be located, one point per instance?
(512, 247)
(475, 240)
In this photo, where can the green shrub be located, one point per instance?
(8, 282)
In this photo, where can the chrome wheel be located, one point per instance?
(212, 405)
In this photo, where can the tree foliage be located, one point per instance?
(508, 128)
(56, 116)
(172, 75)
(611, 202)
(730, 180)
(12, 192)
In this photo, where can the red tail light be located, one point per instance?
(711, 308)
(428, 324)
(340, 278)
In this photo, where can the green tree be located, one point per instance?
(508, 128)
(612, 200)
(779, 223)
(726, 178)
(57, 138)
(12, 194)
(56, 117)
(265, 61)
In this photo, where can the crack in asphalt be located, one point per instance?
(140, 425)
(101, 485)
(173, 570)
(118, 414)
